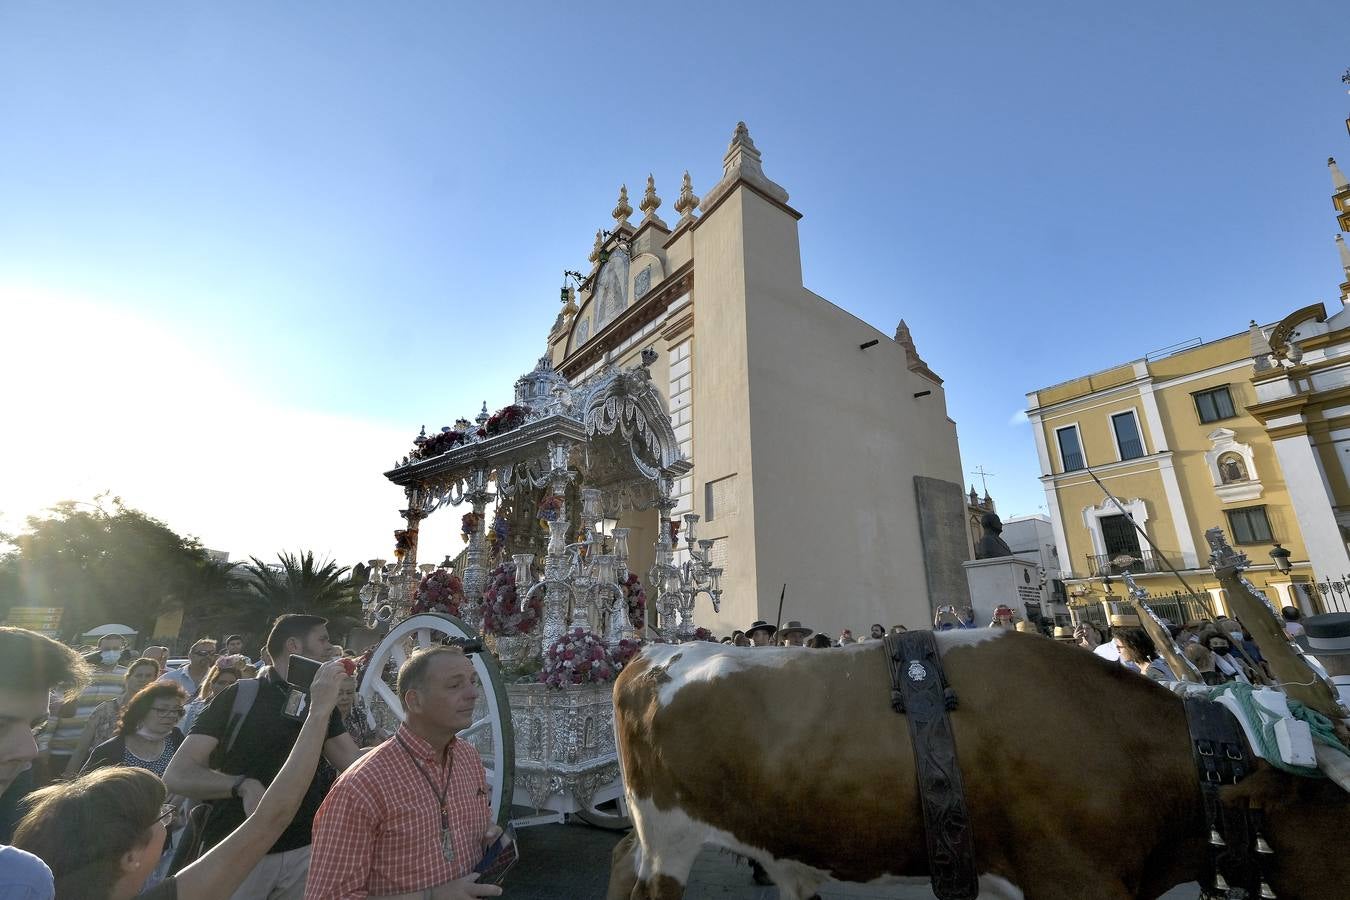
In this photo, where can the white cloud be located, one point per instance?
(98, 399)
(1018, 418)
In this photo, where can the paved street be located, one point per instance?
(571, 862)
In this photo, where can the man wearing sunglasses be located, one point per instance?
(200, 659)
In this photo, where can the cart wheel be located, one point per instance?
(491, 729)
(612, 815)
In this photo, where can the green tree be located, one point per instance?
(297, 583)
(101, 562)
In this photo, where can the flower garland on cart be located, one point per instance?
(439, 591)
(578, 657)
(502, 615)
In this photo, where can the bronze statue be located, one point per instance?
(992, 545)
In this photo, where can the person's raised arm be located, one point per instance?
(223, 868)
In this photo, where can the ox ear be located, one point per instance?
(1335, 764)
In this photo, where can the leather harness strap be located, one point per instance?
(1222, 757)
(919, 691)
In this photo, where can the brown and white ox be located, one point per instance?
(1078, 774)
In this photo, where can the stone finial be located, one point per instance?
(1338, 182)
(902, 335)
(595, 251)
(622, 211)
(687, 201)
(742, 163)
(650, 202)
(1345, 255)
(1260, 347)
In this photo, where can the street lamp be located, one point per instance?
(1281, 558)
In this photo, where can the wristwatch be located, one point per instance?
(234, 788)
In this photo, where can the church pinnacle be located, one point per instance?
(1345, 266)
(1338, 182)
(595, 251)
(622, 211)
(1340, 195)
(650, 204)
(742, 163)
(687, 202)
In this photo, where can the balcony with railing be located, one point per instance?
(1141, 562)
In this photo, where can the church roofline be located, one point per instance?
(647, 308)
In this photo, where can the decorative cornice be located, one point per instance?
(647, 308)
(749, 185)
(680, 324)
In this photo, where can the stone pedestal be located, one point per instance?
(1005, 580)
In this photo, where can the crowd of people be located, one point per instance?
(222, 779)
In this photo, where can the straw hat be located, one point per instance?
(795, 627)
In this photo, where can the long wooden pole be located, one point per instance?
(779, 623)
(1139, 528)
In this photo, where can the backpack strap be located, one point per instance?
(245, 693)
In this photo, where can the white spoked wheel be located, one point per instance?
(490, 731)
(611, 815)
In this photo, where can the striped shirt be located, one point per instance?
(379, 830)
(104, 684)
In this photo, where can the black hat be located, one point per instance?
(760, 625)
(1329, 634)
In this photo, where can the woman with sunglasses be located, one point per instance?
(103, 833)
(148, 735)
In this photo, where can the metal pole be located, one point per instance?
(1166, 562)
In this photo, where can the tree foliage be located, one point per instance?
(106, 562)
(297, 583)
(101, 562)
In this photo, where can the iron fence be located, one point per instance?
(1179, 607)
(1326, 596)
(1143, 562)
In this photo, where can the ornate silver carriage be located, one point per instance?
(583, 479)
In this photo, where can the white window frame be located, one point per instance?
(1059, 448)
(1138, 427)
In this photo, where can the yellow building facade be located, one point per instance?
(1250, 433)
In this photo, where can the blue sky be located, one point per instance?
(247, 249)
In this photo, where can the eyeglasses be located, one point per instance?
(175, 713)
(166, 814)
(203, 653)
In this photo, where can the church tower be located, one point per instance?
(823, 455)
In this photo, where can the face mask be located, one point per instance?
(1235, 635)
(111, 656)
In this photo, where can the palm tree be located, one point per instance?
(296, 583)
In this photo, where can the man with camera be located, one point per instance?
(241, 740)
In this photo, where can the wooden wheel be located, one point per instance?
(491, 730)
(611, 815)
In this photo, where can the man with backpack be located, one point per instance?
(239, 743)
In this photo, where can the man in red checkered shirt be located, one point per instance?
(412, 815)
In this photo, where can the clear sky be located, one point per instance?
(246, 249)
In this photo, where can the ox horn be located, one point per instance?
(1297, 678)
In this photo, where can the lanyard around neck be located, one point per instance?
(440, 797)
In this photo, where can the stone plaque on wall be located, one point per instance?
(942, 526)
